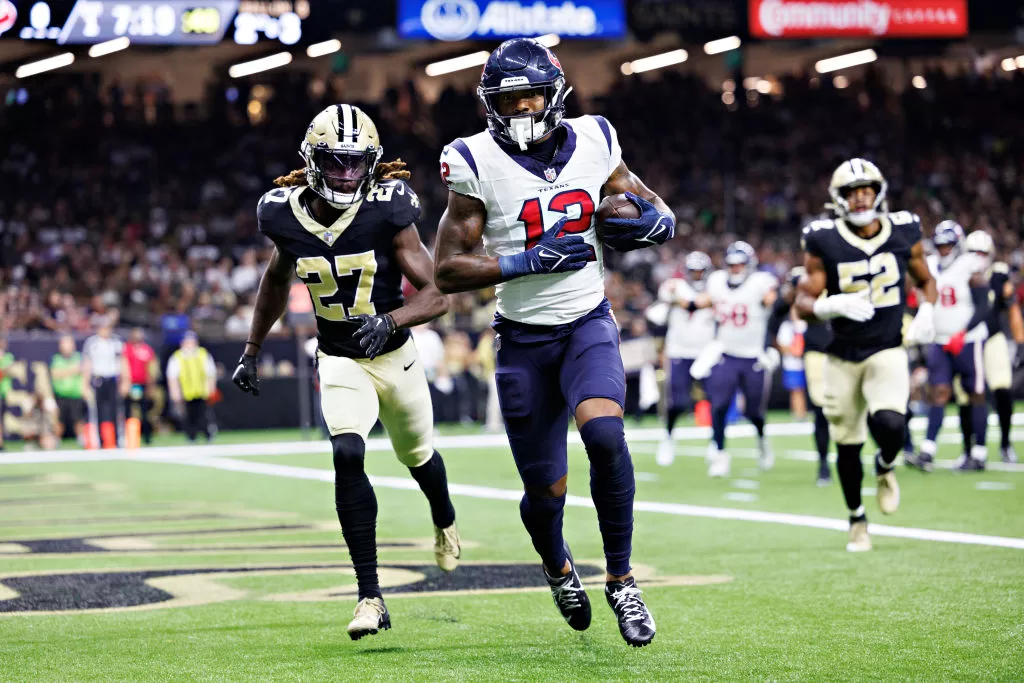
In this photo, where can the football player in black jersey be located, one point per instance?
(1003, 313)
(816, 340)
(346, 225)
(859, 260)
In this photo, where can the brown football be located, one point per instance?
(614, 206)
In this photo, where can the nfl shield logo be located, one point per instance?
(550, 175)
(328, 237)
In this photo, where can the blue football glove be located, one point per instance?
(551, 255)
(652, 227)
(374, 332)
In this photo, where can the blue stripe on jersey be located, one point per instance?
(463, 149)
(603, 122)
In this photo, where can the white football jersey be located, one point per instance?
(955, 306)
(522, 203)
(741, 316)
(688, 333)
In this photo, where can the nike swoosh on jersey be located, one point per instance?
(406, 367)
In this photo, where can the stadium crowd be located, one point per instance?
(152, 222)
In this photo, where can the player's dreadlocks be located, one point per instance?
(385, 170)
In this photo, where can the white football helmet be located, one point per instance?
(852, 174)
(736, 254)
(980, 244)
(948, 234)
(341, 149)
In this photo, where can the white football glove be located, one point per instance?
(707, 359)
(922, 327)
(856, 307)
(769, 359)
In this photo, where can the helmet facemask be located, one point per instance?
(523, 129)
(342, 177)
(865, 216)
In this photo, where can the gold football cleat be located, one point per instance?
(859, 541)
(446, 547)
(369, 617)
(888, 493)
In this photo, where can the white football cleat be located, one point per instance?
(719, 465)
(859, 541)
(888, 493)
(369, 617)
(447, 547)
(666, 454)
(765, 455)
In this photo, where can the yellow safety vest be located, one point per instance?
(192, 374)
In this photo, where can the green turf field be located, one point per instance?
(177, 565)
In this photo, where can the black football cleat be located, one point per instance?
(635, 621)
(570, 597)
(968, 464)
(921, 461)
(824, 475)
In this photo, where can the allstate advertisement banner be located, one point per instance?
(880, 18)
(501, 19)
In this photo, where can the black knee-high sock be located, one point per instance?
(612, 487)
(670, 419)
(758, 422)
(357, 511)
(718, 419)
(851, 474)
(542, 517)
(821, 434)
(967, 426)
(1004, 408)
(433, 481)
(887, 429)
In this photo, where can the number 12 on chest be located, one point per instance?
(533, 217)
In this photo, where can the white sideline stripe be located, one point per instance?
(680, 509)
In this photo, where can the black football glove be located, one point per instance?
(374, 332)
(246, 377)
(1018, 358)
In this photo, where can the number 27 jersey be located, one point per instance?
(523, 197)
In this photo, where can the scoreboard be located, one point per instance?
(163, 22)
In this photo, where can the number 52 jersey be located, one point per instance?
(349, 267)
(877, 265)
(524, 197)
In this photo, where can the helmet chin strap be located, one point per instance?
(862, 218)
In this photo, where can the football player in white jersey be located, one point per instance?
(527, 188)
(960, 334)
(743, 299)
(1004, 316)
(691, 327)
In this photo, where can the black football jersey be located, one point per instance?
(853, 264)
(349, 267)
(999, 275)
(817, 336)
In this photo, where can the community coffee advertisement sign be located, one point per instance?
(852, 18)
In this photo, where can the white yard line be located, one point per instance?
(679, 509)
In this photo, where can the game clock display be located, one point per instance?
(153, 22)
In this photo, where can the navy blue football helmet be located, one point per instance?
(740, 253)
(948, 234)
(523, 64)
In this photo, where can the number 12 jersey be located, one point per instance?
(524, 196)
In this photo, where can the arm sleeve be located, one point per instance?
(405, 206)
(779, 314)
(458, 172)
(981, 306)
